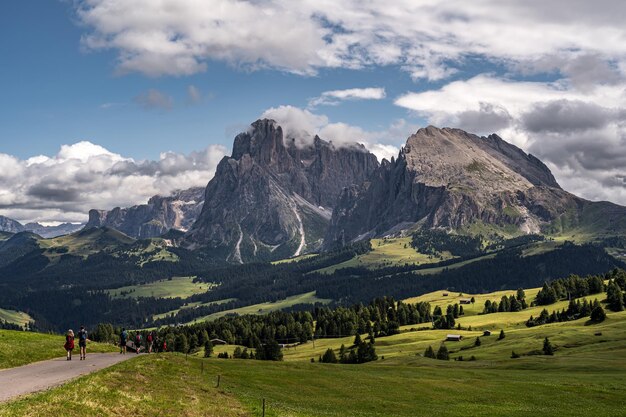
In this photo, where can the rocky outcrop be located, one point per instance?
(155, 218)
(447, 178)
(272, 198)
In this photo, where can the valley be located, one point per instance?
(587, 367)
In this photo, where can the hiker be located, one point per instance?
(150, 340)
(123, 339)
(69, 344)
(164, 348)
(137, 343)
(156, 343)
(82, 342)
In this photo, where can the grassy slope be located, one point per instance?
(263, 308)
(17, 317)
(387, 252)
(20, 348)
(182, 287)
(165, 385)
(191, 305)
(587, 376)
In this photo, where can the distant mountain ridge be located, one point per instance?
(13, 226)
(177, 211)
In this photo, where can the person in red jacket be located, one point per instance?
(69, 344)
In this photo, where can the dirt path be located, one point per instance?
(47, 374)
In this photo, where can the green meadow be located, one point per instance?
(388, 252)
(182, 287)
(264, 308)
(16, 317)
(585, 377)
(20, 348)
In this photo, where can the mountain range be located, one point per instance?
(13, 226)
(279, 196)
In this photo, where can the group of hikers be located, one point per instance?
(82, 343)
(153, 343)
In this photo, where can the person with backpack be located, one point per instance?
(156, 343)
(123, 339)
(150, 341)
(82, 343)
(69, 344)
(137, 343)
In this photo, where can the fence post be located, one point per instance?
(218, 381)
(263, 407)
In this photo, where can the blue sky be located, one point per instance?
(56, 93)
(163, 87)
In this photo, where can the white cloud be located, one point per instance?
(580, 134)
(428, 39)
(84, 175)
(194, 96)
(334, 97)
(154, 99)
(303, 125)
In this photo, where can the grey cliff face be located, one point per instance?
(155, 218)
(447, 178)
(272, 199)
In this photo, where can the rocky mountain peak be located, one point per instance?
(273, 197)
(450, 178)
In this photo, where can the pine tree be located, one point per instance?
(548, 349)
(342, 354)
(502, 335)
(329, 356)
(429, 353)
(357, 340)
(181, 344)
(597, 314)
(237, 353)
(208, 348)
(442, 353)
(614, 297)
(477, 342)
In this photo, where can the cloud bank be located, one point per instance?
(334, 97)
(303, 125)
(428, 39)
(83, 176)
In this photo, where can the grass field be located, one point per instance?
(586, 376)
(295, 259)
(580, 385)
(155, 385)
(264, 308)
(20, 348)
(191, 305)
(182, 287)
(16, 317)
(388, 252)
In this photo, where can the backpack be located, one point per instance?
(124, 336)
(82, 335)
